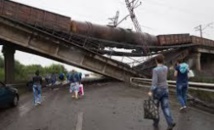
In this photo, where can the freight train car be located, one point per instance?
(52, 21)
(44, 19)
(173, 39)
(202, 41)
(33, 16)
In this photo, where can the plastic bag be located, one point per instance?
(150, 109)
(81, 90)
(191, 74)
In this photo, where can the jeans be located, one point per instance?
(181, 89)
(37, 93)
(161, 96)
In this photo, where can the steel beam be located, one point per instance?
(61, 50)
(170, 59)
(206, 50)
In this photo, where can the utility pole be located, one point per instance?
(114, 20)
(131, 6)
(201, 29)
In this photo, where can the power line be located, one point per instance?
(201, 29)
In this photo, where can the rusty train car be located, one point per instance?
(45, 19)
(112, 33)
(33, 16)
(174, 39)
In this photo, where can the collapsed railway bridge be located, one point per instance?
(83, 44)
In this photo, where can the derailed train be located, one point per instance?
(112, 33)
(34, 16)
(45, 19)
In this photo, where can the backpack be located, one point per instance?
(183, 68)
(61, 76)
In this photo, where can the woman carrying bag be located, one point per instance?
(159, 91)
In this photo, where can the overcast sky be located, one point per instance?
(155, 16)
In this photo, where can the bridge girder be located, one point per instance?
(61, 50)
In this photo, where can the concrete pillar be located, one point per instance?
(195, 61)
(9, 64)
(198, 61)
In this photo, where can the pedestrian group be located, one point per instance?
(73, 79)
(159, 89)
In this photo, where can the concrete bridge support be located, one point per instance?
(9, 63)
(195, 61)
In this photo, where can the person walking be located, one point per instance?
(53, 79)
(181, 74)
(159, 91)
(74, 83)
(37, 91)
(80, 77)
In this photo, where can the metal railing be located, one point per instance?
(143, 82)
(16, 85)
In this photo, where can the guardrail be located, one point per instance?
(142, 82)
(16, 85)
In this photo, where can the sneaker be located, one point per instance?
(171, 126)
(183, 108)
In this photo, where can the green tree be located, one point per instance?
(1, 74)
(55, 68)
(26, 72)
(1, 62)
